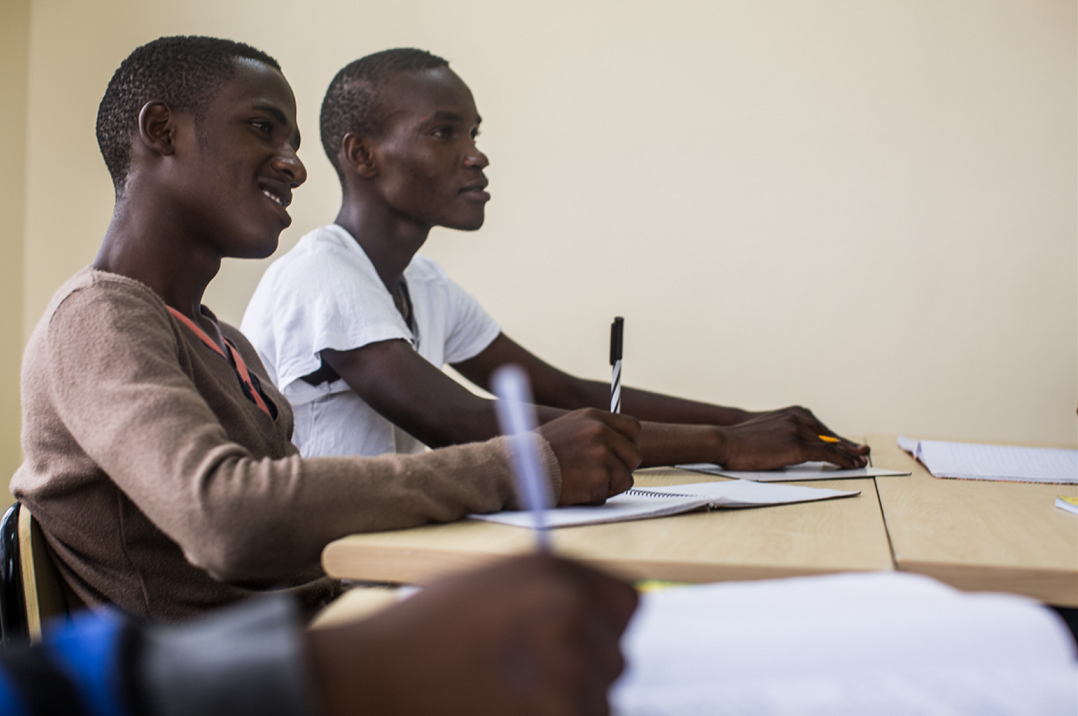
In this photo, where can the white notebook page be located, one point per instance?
(648, 502)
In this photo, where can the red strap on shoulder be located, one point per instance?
(237, 361)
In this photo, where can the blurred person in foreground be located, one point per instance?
(532, 635)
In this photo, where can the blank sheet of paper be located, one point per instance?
(885, 643)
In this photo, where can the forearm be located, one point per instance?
(557, 389)
(271, 518)
(440, 424)
(471, 420)
(416, 396)
(659, 408)
(454, 418)
(666, 444)
(642, 404)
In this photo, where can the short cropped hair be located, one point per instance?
(185, 72)
(353, 100)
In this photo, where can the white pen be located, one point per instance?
(516, 417)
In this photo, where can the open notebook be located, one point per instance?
(880, 643)
(644, 503)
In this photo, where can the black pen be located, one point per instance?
(616, 329)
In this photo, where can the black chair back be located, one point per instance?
(13, 625)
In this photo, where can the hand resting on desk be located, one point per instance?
(534, 635)
(777, 438)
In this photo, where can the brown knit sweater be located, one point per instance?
(161, 488)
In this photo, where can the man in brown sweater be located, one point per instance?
(158, 459)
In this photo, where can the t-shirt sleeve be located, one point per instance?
(314, 302)
(471, 329)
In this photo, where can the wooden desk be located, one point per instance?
(976, 536)
(355, 604)
(979, 536)
(814, 538)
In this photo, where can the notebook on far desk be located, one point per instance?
(645, 503)
(972, 461)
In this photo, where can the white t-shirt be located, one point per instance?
(325, 293)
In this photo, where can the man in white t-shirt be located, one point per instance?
(326, 294)
(356, 328)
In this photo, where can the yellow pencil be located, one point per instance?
(827, 438)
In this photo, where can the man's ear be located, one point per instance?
(157, 127)
(357, 155)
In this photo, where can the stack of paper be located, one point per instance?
(644, 503)
(970, 461)
(793, 473)
(883, 643)
(1070, 504)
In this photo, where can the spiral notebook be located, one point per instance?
(646, 503)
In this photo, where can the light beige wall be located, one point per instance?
(867, 208)
(14, 55)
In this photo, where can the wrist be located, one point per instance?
(719, 442)
(552, 467)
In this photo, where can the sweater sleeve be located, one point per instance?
(118, 385)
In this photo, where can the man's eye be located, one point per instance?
(442, 132)
(264, 127)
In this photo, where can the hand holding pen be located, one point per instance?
(597, 451)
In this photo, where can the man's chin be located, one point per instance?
(261, 250)
(467, 224)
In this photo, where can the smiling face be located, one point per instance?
(239, 165)
(429, 170)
